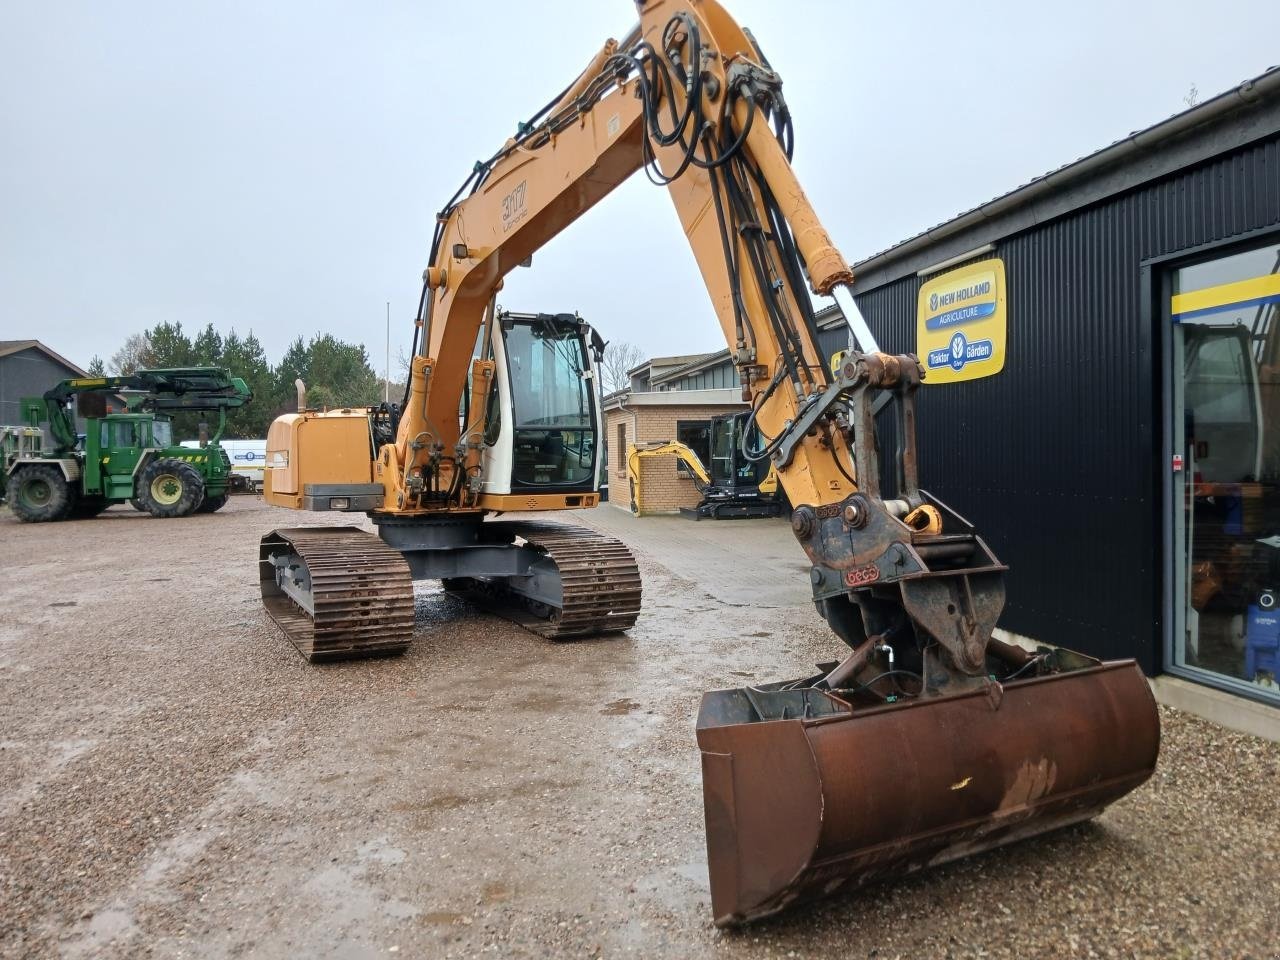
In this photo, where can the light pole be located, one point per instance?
(386, 372)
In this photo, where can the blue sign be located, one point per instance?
(959, 352)
(970, 314)
(250, 456)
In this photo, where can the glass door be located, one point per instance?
(1225, 423)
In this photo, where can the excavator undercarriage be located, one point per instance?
(340, 593)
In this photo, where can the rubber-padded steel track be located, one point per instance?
(598, 574)
(361, 592)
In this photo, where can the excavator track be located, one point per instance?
(337, 592)
(598, 575)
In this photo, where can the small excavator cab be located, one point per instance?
(740, 473)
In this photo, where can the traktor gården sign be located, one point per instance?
(961, 323)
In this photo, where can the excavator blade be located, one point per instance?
(807, 793)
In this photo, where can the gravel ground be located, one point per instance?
(176, 782)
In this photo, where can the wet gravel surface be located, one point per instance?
(176, 782)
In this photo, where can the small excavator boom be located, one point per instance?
(636, 453)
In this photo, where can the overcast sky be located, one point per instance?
(275, 166)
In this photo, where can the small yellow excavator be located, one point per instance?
(734, 488)
(928, 738)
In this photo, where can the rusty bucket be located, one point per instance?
(807, 793)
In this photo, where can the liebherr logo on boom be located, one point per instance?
(513, 208)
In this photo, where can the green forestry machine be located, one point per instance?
(122, 457)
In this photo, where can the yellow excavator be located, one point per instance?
(734, 487)
(928, 739)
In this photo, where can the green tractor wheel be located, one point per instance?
(170, 488)
(40, 493)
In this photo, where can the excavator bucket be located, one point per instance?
(807, 792)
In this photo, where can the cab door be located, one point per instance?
(123, 445)
(544, 408)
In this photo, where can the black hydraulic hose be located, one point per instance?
(524, 130)
(731, 151)
(770, 445)
(456, 483)
(693, 84)
(835, 455)
(753, 237)
(730, 258)
(792, 267)
(650, 94)
(888, 673)
(789, 256)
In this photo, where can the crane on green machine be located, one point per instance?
(121, 457)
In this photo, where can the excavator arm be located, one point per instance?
(669, 448)
(673, 448)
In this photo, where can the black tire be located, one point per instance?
(137, 505)
(212, 504)
(40, 493)
(170, 488)
(88, 507)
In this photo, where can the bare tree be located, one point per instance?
(619, 358)
(135, 353)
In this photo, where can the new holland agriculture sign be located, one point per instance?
(960, 323)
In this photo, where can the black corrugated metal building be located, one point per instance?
(1120, 461)
(27, 369)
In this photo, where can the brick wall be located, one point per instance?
(665, 491)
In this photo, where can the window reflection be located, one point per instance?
(1227, 465)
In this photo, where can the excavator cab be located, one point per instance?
(544, 415)
(741, 485)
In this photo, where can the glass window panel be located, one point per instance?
(1226, 428)
(551, 400)
(696, 435)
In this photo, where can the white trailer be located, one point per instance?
(248, 458)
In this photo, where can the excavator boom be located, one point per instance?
(930, 738)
